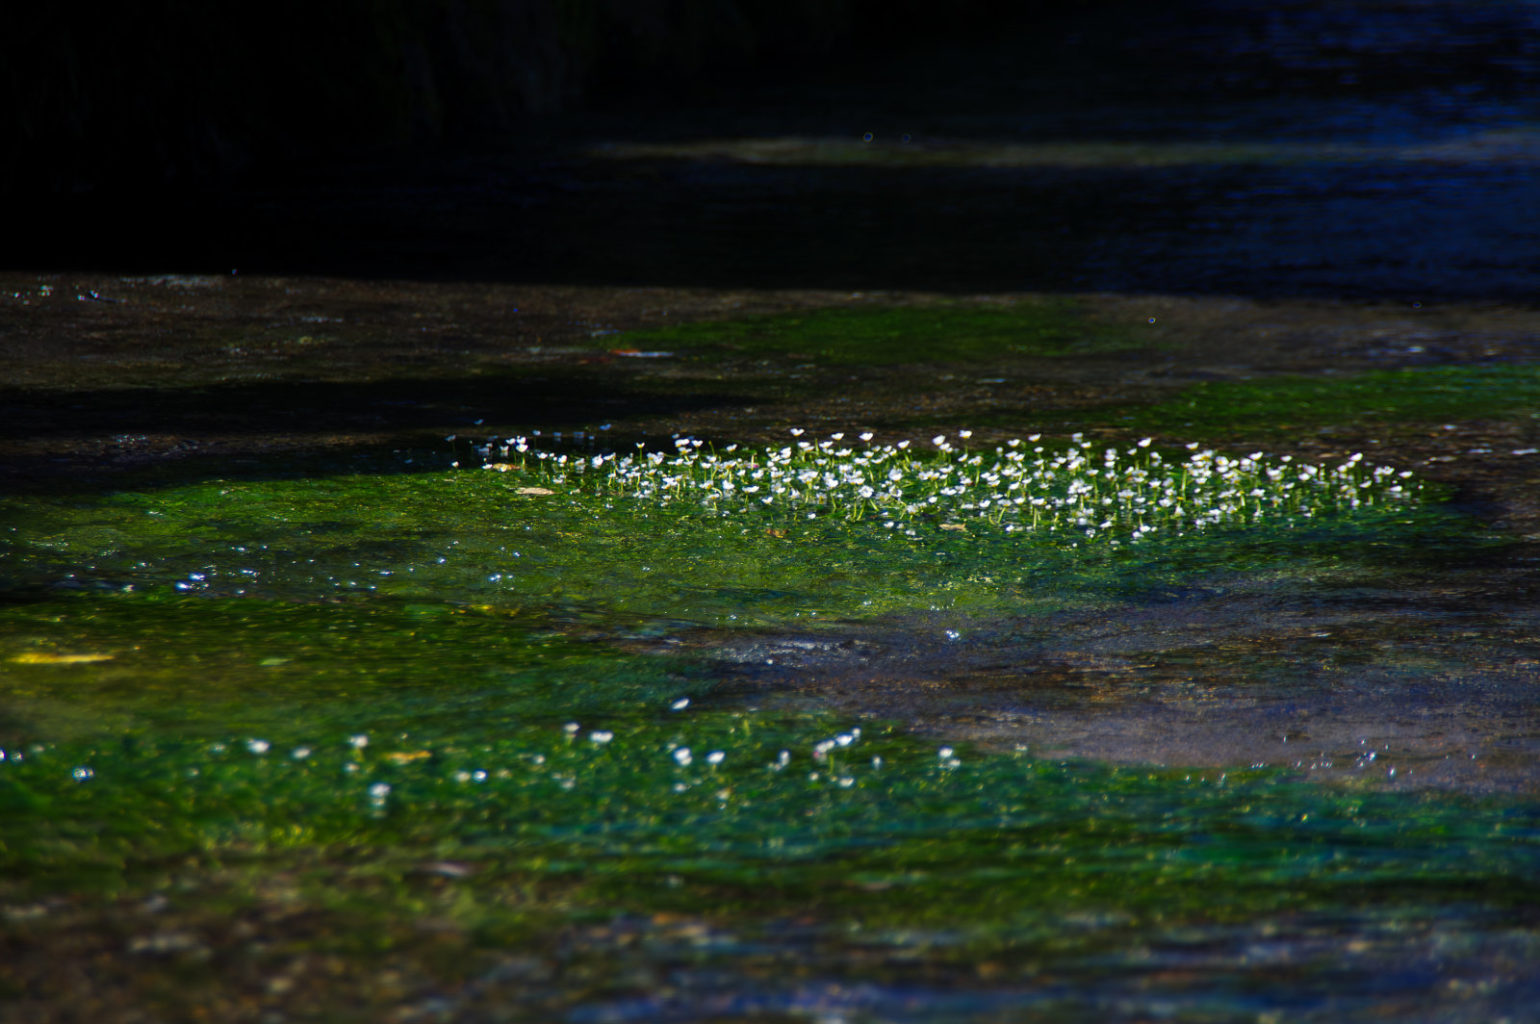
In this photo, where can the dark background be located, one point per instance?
(464, 140)
(182, 90)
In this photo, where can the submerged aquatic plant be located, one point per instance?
(480, 731)
(1077, 491)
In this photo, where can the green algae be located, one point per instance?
(362, 701)
(557, 560)
(1292, 405)
(169, 663)
(880, 335)
(990, 856)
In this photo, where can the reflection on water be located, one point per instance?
(1427, 972)
(1496, 147)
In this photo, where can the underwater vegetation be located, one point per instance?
(1082, 490)
(448, 694)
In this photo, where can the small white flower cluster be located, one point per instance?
(1075, 491)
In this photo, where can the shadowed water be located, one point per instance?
(1307, 149)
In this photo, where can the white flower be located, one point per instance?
(1112, 496)
(257, 746)
(682, 756)
(680, 704)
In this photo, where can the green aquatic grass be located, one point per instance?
(1070, 496)
(1293, 405)
(233, 603)
(202, 665)
(357, 703)
(584, 555)
(880, 335)
(300, 639)
(744, 819)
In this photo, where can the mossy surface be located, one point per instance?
(1292, 405)
(471, 539)
(518, 835)
(346, 706)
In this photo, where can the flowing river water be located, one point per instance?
(306, 715)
